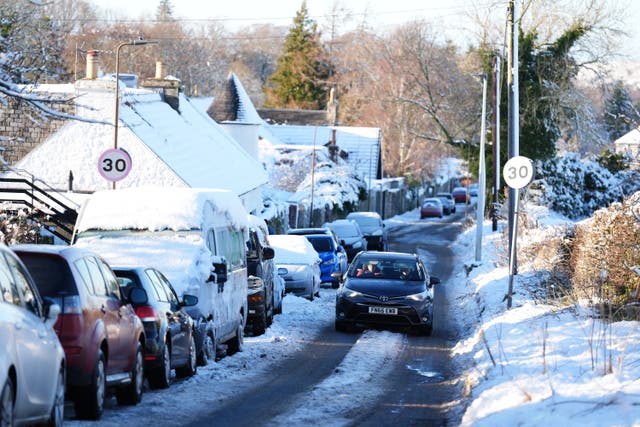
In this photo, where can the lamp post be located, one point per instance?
(138, 42)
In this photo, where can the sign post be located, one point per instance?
(114, 165)
(517, 173)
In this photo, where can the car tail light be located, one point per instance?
(146, 313)
(69, 323)
(257, 297)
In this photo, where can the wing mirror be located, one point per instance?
(268, 252)
(219, 272)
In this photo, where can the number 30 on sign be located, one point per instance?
(518, 172)
(114, 164)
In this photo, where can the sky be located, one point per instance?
(380, 14)
(514, 379)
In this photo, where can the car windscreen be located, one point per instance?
(51, 274)
(321, 244)
(389, 269)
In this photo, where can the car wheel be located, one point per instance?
(260, 324)
(90, 401)
(342, 326)
(160, 377)
(132, 393)
(6, 403)
(56, 418)
(236, 343)
(191, 367)
(208, 353)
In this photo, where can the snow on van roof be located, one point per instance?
(157, 208)
(293, 249)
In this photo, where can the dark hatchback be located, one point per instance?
(170, 340)
(398, 295)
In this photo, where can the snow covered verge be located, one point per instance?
(536, 363)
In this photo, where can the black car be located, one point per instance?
(261, 286)
(388, 289)
(373, 229)
(170, 340)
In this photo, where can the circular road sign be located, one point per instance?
(518, 172)
(114, 164)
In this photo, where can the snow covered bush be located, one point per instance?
(19, 226)
(576, 188)
(605, 258)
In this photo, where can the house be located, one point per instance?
(629, 144)
(170, 142)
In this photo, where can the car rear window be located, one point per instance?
(321, 244)
(51, 274)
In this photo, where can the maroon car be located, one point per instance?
(102, 336)
(460, 195)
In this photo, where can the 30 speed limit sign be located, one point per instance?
(114, 164)
(518, 172)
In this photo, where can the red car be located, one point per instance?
(102, 337)
(460, 195)
(431, 207)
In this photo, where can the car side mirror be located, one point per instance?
(268, 252)
(51, 312)
(339, 248)
(219, 271)
(433, 280)
(189, 300)
(137, 296)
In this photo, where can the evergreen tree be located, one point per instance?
(164, 11)
(545, 75)
(300, 79)
(620, 115)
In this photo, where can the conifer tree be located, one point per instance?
(620, 115)
(300, 79)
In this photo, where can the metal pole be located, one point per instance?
(513, 143)
(481, 173)
(496, 143)
(512, 249)
(313, 169)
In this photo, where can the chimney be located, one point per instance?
(159, 70)
(169, 88)
(92, 65)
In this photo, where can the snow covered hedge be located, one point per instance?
(577, 188)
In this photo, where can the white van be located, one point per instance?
(196, 237)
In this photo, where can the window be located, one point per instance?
(232, 246)
(113, 289)
(85, 275)
(99, 286)
(7, 285)
(24, 286)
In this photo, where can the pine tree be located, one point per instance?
(164, 11)
(300, 79)
(620, 115)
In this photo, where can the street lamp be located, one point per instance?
(138, 42)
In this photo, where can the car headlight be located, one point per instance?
(420, 297)
(349, 293)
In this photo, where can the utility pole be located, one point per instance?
(513, 117)
(496, 142)
(481, 172)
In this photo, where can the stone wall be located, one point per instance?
(22, 127)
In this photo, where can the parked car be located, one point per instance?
(341, 253)
(460, 194)
(170, 342)
(32, 365)
(399, 296)
(101, 334)
(350, 235)
(431, 207)
(448, 203)
(327, 250)
(195, 236)
(261, 269)
(298, 263)
(473, 189)
(373, 229)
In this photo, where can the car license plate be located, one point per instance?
(383, 310)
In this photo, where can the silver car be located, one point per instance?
(32, 364)
(298, 264)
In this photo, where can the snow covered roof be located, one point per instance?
(157, 208)
(362, 144)
(167, 148)
(632, 137)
